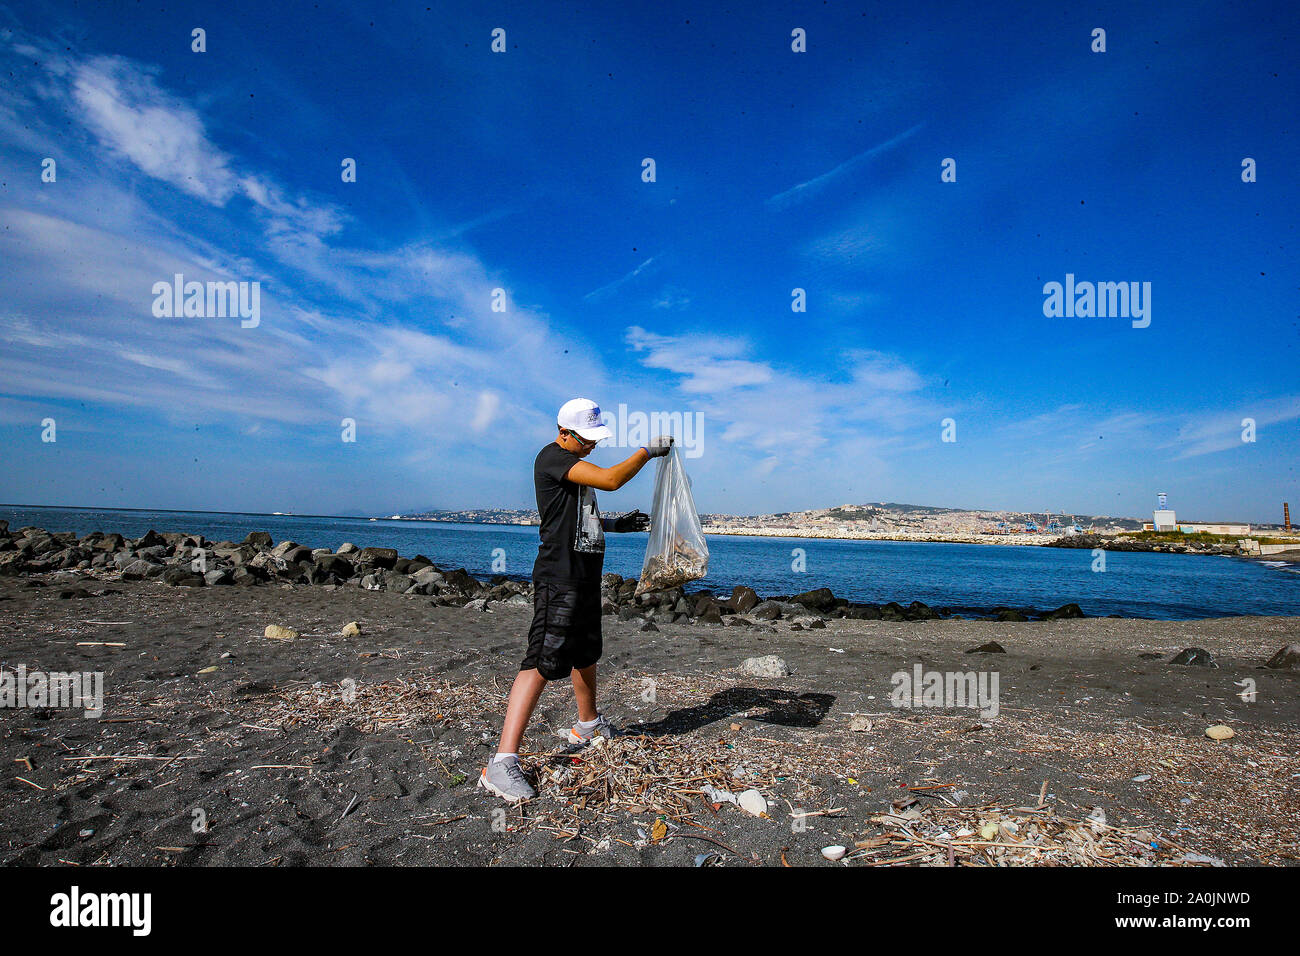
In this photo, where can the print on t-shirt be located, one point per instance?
(588, 535)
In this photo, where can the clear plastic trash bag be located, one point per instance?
(677, 552)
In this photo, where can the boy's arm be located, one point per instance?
(608, 479)
(614, 478)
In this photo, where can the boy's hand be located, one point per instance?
(659, 446)
(632, 521)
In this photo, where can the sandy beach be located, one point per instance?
(334, 750)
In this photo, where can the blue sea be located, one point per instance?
(1165, 586)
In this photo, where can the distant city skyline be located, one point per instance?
(965, 260)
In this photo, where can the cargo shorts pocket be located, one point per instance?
(561, 607)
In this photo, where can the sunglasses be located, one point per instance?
(582, 441)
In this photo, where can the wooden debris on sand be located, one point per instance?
(993, 835)
(371, 707)
(641, 774)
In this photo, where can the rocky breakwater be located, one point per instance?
(189, 560)
(1122, 543)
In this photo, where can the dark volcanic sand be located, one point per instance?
(1081, 708)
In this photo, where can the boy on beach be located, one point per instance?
(565, 639)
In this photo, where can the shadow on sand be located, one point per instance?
(781, 707)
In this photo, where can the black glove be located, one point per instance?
(632, 521)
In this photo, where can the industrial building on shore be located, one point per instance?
(1164, 519)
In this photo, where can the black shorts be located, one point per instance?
(566, 629)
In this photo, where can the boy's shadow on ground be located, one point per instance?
(783, 707)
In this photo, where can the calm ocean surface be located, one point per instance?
(1169, 586)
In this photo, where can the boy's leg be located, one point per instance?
(584, 688)
(524, 694)
(587, 651)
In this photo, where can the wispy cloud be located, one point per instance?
(404, 338)
(610, 288)
(813, 186)
(1208, 433)
(770, 416)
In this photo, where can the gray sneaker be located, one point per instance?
(506, 779)
(603, 728)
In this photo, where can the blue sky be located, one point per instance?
(775, 170)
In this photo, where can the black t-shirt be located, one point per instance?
(572, 550)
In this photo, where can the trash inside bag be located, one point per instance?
(677, 552)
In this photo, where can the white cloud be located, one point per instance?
(161, 135)
(404, 337)
(760, 412)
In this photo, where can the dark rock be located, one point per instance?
(297, 555)
(702, 606)
(1194, 657)
(1287, 658)
(398, 583)
(628, 614)
(916, 611)
(243, 577)
(1010, 614)
(742, 599)
(866, 612)
(379, 557)
(765, 611)
(40, 544)
(218, 577)
(138, 570)
(648, 626)
(182, 577)
(893, 611)
(151, 539)
(259, 539)
(1064, 612)
(819, 600)
(462, 579)
(711, 616)
(333, 564)
(992, 647)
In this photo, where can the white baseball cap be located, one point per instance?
(582, 415)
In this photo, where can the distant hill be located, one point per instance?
(887, 514)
